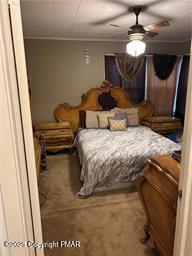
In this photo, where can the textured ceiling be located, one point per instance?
(75, 19)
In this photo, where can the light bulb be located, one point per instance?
(136, 48)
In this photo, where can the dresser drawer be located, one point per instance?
(159, 180)
(57, 136)
(162, 124)
(165, 125)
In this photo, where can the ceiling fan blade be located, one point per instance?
(101, 22)
(157, 25)
(117, 26)
(158, 16)
(151, 33)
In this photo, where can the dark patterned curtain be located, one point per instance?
(128, 66)
(182, 89)
(135, 86)
(163, 65)
(111, 73)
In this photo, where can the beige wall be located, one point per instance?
(58, 72)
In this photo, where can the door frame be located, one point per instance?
(18, 183)
(183, 233)
(20, 61)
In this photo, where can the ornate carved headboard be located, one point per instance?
(104, 97)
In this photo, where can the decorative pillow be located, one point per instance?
(121, 116)
(91, 120)
(117, 125)
(103, 118)
(132, 113)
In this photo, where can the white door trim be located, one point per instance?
(26, 115)
(15, 202)
(17, 33)
(184, 211)
(20, 203)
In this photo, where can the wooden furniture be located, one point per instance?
(37, 148)
(104, 97)
(163, 124)
(57, 135)
(40, 154)
(158, 191)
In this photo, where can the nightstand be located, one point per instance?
(163, 124)
(40, 153)
(57, 136)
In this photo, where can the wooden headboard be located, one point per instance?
(104, 97)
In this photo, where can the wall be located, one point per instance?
(58, 72)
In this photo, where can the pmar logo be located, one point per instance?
(69, 243)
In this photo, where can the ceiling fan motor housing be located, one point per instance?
(136, 32)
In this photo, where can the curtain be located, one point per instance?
(127, 65)
(161, 92)
(182, 89)
(135, 86)
(111, 73)
(163, 65)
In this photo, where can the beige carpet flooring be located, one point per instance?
(106, 224)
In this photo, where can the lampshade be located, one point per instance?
(136, 48)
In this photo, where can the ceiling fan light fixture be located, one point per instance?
(136, 36)
(136, 48)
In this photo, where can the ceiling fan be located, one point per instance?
(138, 28)
(138, 31)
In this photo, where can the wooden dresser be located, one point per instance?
(163, 124)
(158, 191)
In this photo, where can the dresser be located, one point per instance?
(163, 124)
(158, 192)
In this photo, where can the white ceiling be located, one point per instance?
(74, 19)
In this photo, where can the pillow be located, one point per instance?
(121, 116)
(132, 113)
(103, 118)
(117, 125)
(91, 120)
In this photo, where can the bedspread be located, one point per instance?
(109, 157)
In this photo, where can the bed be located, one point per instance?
(106, 157)
(110, 157)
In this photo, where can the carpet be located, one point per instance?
(106, 223)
